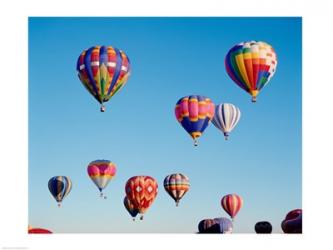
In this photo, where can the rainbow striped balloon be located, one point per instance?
(251, 65)
(101, 172)
(194, 113)
(103, 70)
(176, 186)
(232, 203)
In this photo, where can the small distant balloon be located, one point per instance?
(292, 224)
(60, 186)
(225, 225)
(130, 208)
(263, 227)
(194, 113)
(101, 172)
(232, 203)
(39, 231)
(226, 118)
(208, 226)
(176, 185)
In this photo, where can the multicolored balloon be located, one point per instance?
(226, 118)
(38, 231)
(232, 203)
(130, 208)
(251, 65)
(60, 186)
(103, 70)
(194, 113)
(176, 186)
(225, 225)
(292, 224)
(141, 191)
(263, 227)
(101, 172)
(208, 226)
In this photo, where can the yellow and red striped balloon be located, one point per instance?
(232, 203)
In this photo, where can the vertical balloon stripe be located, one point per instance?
(117, 70)
(87, 64)
(232, 75)
(103, 58)
(241, 67)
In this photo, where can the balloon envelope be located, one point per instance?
(208, 226)
(194, 113)
(130, 208)
(176, 186)
(225, 225)
(141, 191)
(263, 227)
(232, 203)
(226, 117)
(103, 70)
(39, 231)
(60, 186)
(293, 222)
(251, 65)
(101, 172)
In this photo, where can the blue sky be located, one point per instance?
(170, 58)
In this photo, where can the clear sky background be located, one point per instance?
(170, 58)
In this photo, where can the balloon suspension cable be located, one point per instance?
(102, 108)
(141, 217)
(196, 143)
(254, 99)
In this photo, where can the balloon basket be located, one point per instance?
(102, 108)
(196, 143)
(105, 197)
(59, 205)
(254, 99)
(133, 219)
(141, 218)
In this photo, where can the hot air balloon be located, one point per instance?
(176, 186)
(194, 113)
(263, 227)
(39, 231)
(130, 208)
(60, 186)
(225, 225)
(226, 118)
(293, 222)
(232, 203)
(103, 70)
(141, 191)
(101, 172)
(208, 226)
(251, 65)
